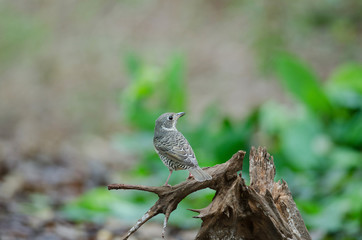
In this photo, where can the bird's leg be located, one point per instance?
(190, 176)
(166, 183)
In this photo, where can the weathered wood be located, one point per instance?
(263, 210)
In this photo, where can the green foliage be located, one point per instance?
(152, 90)
(348, 77)
(302, 83)
(99, 204)
(316, 144)
(321, 144)
(345, 86)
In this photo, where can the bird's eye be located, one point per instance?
(170, 117)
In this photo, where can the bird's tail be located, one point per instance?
(199, 174)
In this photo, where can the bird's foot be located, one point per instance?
(190, 177)
(167, 185)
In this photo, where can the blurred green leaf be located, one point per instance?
(299, 141)
(308, 206)
(273, 118)
(348, 76)
(345, 86)
(332, 216)
(152, 90)
(98, 204)
(232, 136)
(302, 83)
(174, 77)
(348, 131)
(351, 158)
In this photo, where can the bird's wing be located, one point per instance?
(177, 149)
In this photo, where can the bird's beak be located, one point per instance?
(180, 114)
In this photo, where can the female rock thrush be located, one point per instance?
(173, 148)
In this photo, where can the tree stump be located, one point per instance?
(264, 210)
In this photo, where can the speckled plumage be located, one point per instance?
(174, 149)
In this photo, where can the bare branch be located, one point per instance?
(148, 215)
(156, 190)
(167, 215)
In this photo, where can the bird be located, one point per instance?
(173, 148)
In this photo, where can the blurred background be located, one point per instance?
(82, 82)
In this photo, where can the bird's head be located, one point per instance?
(167, 121)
